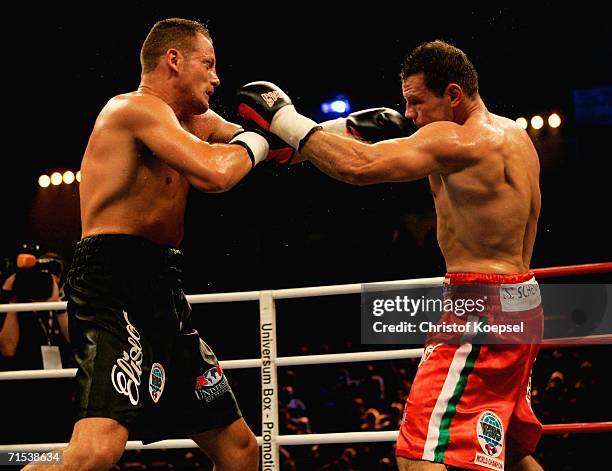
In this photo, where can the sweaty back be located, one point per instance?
(488, 211)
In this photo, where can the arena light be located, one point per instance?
(68, 177)
(537, 122)
(554, 120)
(44, 181)
(78, 176)
(522, 122)
(56, 178)
(337, 106)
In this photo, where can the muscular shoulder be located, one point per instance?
(133, 109)
(447, 140)
(504, 135)
(479, 136)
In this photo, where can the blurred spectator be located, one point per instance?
(35, 340)
(372, 387)
(371, 420)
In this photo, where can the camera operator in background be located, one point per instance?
(35, 340)
(39, 339)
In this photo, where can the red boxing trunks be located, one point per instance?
(470, 401)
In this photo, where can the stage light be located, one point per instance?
(44, 181)
(554, 120)
(56, 178)
(68, 177)
(522, 122)
(337, 106)
(537, 122)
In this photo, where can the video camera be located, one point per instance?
(33, 276)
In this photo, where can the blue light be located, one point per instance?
(337, 106)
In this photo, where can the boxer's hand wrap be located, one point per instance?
(255, 144)
(265, 106)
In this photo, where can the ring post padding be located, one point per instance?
(269, 384)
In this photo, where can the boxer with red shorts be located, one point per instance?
(483, 172)
(472, 395)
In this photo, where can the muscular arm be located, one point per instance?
(436, 148)
(222, 130)
(9, 335)
(212, 128)
(62, 320)
(208, 167)
(9, 331)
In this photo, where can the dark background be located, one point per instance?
(288, 227)
(285, 227)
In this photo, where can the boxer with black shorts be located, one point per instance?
(141, 365)
(141, 362)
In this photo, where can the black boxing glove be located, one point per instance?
(264, 106)
(371, 125)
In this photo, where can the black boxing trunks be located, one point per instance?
(139, 359)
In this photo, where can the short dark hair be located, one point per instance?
(441, 63)
(168, 33)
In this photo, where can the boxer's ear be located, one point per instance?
(454, 93)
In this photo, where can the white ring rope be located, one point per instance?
(307, 292)
(289, 440)
(248, 363)
(271, 440)
(282, 440)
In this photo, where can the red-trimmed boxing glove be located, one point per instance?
(266, 107)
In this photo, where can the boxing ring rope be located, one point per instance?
(309, 439)
(355, 288)
(268, 362)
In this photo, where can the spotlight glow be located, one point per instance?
(68, 177)
(78, 176)
(537, 122)
(56, 178)
(339, 106)
(522, 122)
(554, 120)
(44, 181)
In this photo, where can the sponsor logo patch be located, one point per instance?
(157, 380)
(211, 384)
(490, 434)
